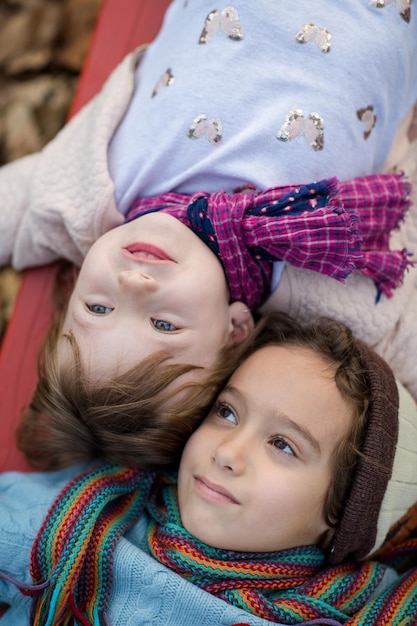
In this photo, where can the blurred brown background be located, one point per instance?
(43, 45)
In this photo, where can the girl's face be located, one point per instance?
(151, 285)
(255, 474)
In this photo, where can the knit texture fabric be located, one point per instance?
(72, 558)
(73, 550)
(330, 227)
(357, 531)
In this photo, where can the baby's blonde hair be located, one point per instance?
(136, 418)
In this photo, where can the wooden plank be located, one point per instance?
(18, 360)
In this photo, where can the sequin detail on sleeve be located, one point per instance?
(318, 35)
(228, 20)
(166, 80)
(404, 7)
(368, 117)
(212, 129)
(296, 125)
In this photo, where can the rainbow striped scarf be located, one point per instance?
(71, 562)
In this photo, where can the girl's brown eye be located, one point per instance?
(226, 412)
(282, 444)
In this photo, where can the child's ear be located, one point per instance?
(241, 322)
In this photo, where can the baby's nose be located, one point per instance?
(137, 282)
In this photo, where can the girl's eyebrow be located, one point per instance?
(304, 432)
(283, 418)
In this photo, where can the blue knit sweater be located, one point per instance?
(144, 591)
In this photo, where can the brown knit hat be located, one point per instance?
(385, 479)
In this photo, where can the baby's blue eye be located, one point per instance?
(281, 444)
(164, 326)
(99, 309)
(226, 412)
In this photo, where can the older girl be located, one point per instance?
(292, 479)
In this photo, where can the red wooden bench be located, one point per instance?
(122, 25)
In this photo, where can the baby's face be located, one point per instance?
(146, 286)
(255, 474)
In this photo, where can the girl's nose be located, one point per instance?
(137, 282)
(230, 455)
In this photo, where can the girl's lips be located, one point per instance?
(214, 492)
(147, 252)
